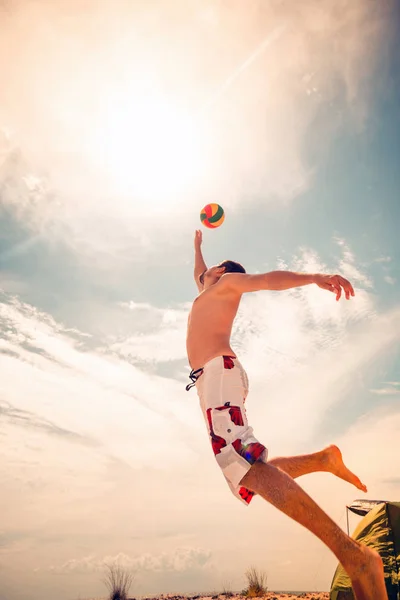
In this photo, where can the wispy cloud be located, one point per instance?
(383, 259)
(348, 267)
(164, 339)
(389, 279)
(391, 389)
(104, 384)
(24, 418)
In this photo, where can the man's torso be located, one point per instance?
(210, 324)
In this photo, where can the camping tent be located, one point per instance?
(379, 529)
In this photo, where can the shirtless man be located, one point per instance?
(222, 388)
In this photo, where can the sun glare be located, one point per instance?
(152, 152)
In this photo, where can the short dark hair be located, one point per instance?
(232, 267)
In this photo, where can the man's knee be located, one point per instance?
(253, 477)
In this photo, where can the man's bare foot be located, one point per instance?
(336, 466)
(367, 577)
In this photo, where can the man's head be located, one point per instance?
(213, 274)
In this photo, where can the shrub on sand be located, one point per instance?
(118, 582)
(257, 583)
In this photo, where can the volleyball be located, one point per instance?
(212, 215)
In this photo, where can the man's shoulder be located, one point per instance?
(228, 281)
(225, 289)
(228, 278)
(219, 290)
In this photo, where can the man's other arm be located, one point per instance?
(284, 280)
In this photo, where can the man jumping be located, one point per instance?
(222, 387)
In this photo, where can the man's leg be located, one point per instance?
(363, 564)
(328, 460)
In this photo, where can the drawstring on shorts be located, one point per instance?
(194, 375)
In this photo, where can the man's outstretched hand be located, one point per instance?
(198, 238)
(335, 284)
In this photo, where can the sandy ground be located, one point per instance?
(268, 596)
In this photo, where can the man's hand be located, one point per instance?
(198, 238)
(335, 284)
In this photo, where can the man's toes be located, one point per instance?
(362, 487)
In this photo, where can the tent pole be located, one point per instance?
(347, 515)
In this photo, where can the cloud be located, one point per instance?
(391, 389)
(12, 283)
(385, 262)
(182, 559)
(383, 259)
(26, 418)
(74, 393)
(97, 129)
(348, 268)
(300, 321)
(390, 280)
(161, 337)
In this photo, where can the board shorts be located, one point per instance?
(222, 386)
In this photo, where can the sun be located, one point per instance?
(153, 152)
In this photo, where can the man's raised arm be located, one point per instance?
(199, 264)
(284, 280)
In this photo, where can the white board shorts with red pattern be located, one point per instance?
(222, 386)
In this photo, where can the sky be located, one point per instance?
(119, 121)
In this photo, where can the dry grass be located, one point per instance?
(118, 582)
(257, 583)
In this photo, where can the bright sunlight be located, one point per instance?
(153, 153)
